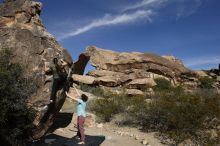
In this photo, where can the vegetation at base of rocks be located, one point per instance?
(15, 117)
(174, 113)
(97, 91)
(189, 74)
(162, 84)
(182, 116)
(105, 108)
(206, 82)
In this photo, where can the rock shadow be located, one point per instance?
(61, 120)
(57, 140)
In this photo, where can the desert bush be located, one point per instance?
(170, 111)
(180, 115)
(15, 117)
(189, 74)
(206, 82)
(162, 84)
(104, 108)
(112, 104)
(175, 114)
(98, 91)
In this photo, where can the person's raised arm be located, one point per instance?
(76, 99)
(77, 91)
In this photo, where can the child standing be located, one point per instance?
(81, 114)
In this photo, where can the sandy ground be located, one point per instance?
(64, 130)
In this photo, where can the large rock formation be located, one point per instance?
(129, 66)
(123, 67)
(22, 31)
(130, 70)
(136, 71)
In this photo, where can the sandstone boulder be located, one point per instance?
(83, 79)
(173, 59)
(22, 31)
(141, 83)
(119, 78)
(133, 70)
(218, 78)
(201, 74)
(101, 73)
(104, 59)
(134, 92)
(108, 81)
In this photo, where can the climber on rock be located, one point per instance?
(59, 77)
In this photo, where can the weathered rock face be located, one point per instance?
(121, 68)
(83, 79)
(134, 71)
(22, 31)
(128, 63)
(141, 83)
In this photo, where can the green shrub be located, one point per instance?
(171, 111)
(189, 74)
(94, 90)
(206, 82)
(111, 104)
(15, 117)
(181, 116)
(104, 108)
(162, 84)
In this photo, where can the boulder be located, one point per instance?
(133, 70)
(201, 74)
(22, 32)
(141, 83)
(101, 73)
(213, 74)
(118, 77)
(173, 59)
(218, 78)
(80, 64)
(108, 81)
(103, 59)
(83, 79)
(134, 92)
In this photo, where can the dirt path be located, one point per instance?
(98, 135)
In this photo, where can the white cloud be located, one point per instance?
(144, 4)
(201, 61)
(132, 13)
(188, 9)
(108, 21)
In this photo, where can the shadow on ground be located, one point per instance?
(61, 121)
(63, 141)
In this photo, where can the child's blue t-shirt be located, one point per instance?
(81, 108)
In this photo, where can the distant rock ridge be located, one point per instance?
(123, 67)
(135, 71)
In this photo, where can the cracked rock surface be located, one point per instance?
(22, 31)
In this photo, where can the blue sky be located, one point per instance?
(186, 29)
